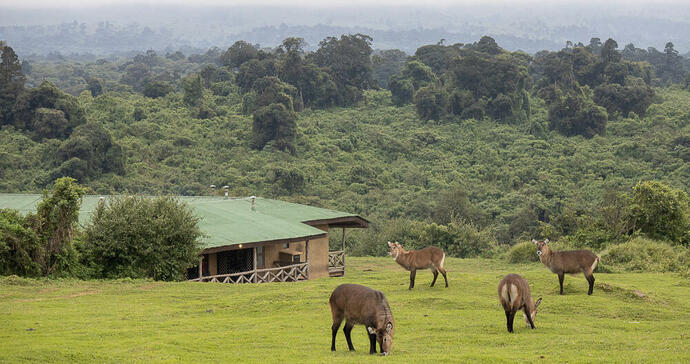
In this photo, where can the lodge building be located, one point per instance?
(249, 240)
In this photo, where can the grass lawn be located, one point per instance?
(125, 321)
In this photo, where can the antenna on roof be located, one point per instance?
(226, 188)
(253, 198)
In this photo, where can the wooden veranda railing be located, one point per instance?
(289, 273)
(336, 263)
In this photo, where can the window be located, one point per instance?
(259, 257)
(286, 245)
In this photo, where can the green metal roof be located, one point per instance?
(227, 221)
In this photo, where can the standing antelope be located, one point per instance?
(513, 292)
(430, 257)
(362, 305)
(570, 262)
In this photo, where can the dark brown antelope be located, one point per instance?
(430, 257)
(513, 292)
(571, 262)
(365, 306)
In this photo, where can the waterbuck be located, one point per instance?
(365, 306)
(570, 262)
(430, 257)
(513, 292)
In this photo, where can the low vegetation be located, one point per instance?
(68, 320)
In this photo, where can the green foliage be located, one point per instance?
(661, 212)
(457, 238)
(430, 102)
(574, 115)
(89, 152)
(55, 225)
(193, 90)
(274, 122)
(349, 58)
(646, 255)
(525, 252)
(140, 237)
(48, 112)
(155, 89)
(624, 99)
(387, 63)
(402, 90)
(11, 82)
(19, 245)
(239, 53)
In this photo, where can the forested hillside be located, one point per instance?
(470, 146)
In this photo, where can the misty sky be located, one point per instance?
(316, 3)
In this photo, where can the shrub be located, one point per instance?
(458, 238)
(523, 253)
(140, 237)
(661, 212)
(19, 245)
(641, 254)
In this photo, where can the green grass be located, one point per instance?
(124, 321)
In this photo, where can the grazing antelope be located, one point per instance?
(513, 292)
(570, 262)
(365, 306)
(430, 257)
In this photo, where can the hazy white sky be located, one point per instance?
(310, 3)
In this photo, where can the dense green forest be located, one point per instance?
(467, 146)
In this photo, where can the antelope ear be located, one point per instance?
(390, 244)
(389, 326)
(546, 241)
(371, 330)
(534, 241)
(537, 303)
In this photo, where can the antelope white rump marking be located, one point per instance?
(504, 293)
(513, 293)
(443, 259)
(594, 265)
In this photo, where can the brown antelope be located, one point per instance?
(365, 306)
(430, 257)
(513, 292)
(570, 262)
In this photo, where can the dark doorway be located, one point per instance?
(235, 261)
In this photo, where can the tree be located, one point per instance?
(136, 75)
(574, 115)
(420, 74)
(193, 90)
(89, 152)
(10, 68)
(50, 123)
(55, 224)
(140, 237)
(661, 212)
(430, 102)
(438, 57)
(19, 246)
(386, 64)
(349, 58)
(402, 90)
(11, 83)
(94, 86)
(239, 53)
(155, 89)
(48, 112)
(624, 99)
(609, 52)
(253, 70)
(274, 122)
